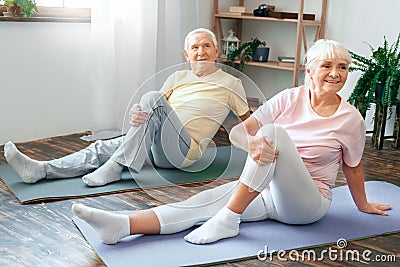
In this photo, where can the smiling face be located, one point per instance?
(329, 75)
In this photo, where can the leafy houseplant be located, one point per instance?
(27, 8)
(379, 72)
(244, 52)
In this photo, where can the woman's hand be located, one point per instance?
(136, 116)
(262, 150)
(355, 181)
(376, 208)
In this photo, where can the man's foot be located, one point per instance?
(109, 226)
(30, 170)
(110, 172)
(224, 224)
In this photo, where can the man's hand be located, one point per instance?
(262, 150)
(136, 116)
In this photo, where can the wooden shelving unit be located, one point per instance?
(301, 40)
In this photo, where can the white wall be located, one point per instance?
(45, 67)
(45, 75)
(358, 21)
(280, 37)
(45, 80)
(349, 22)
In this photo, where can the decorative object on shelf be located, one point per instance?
(290, 15)
(3, 9)
(261, 11)
(309, 27)
(229, 44)
(381, 71)
(26, 8)
(260, 54)
(286, 61)
(237, 10)
(271, 8)
(244, 52)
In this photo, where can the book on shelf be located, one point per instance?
(290, 15)
(231, 13)
(237, 9)
(286, 59)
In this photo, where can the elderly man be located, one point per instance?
(171, 127)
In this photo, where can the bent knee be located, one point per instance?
(149, 99)
(272, 131)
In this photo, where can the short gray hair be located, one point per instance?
(200, 30)
(324, 49)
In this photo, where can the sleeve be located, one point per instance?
(168, 85)
(270, 110)
(238, 100)
(354, 147)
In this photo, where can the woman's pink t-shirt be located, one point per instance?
(322, 142)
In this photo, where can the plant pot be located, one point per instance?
(15, 11)
(3, 9)
(378, 92)
(260, 54)
(8, 14)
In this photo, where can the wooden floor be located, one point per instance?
(44, 235)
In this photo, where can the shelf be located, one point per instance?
(268, 64)
(306, 20)
(45, 19)
(252, 17)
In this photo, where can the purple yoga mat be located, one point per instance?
(343, 222)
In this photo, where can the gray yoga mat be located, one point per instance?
(343, 222)
(219, 162)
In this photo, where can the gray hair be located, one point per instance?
(321, 50)
(200, 30)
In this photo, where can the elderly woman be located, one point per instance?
(296, 143)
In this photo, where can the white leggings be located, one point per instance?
(288, 193)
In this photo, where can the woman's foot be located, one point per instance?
(224, 224)
(28, 169)
(109, 226)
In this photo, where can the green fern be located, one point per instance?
(383, 67)
(28, 7)
(244, 53)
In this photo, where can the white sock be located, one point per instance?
(30, 170)
(224, 224)
(110, 172)
(111, 227)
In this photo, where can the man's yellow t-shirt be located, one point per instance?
(202, 104)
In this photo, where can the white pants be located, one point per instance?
(288, 193)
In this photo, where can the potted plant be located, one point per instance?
(245, 52)
(25, 8)
(380, 78)
(3, 8)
